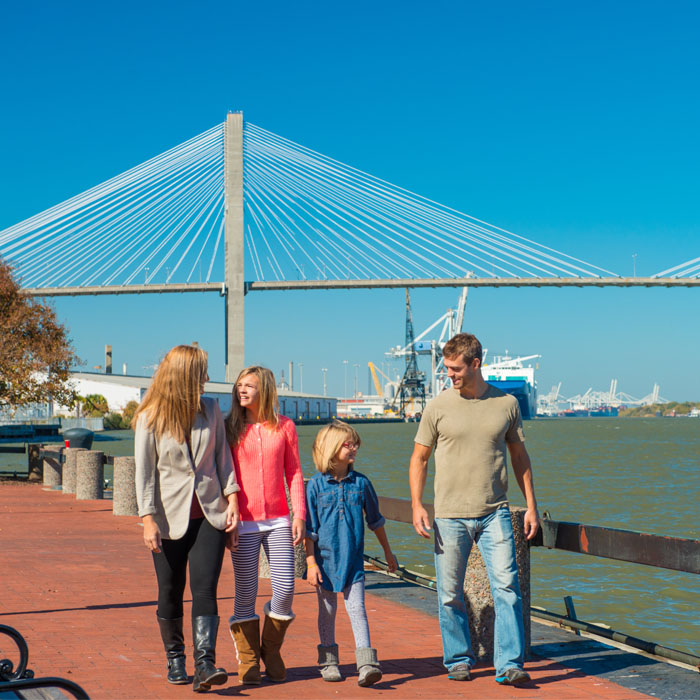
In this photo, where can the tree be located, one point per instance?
(95, 406)
(35, 352)
(114, 421)
(128, 413)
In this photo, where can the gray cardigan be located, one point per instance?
(166, 477)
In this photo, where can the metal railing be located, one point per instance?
(674, 553)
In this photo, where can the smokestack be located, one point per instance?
(291, 376)
(124, 369)
(108, 359)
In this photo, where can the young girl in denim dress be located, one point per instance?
(336, 498)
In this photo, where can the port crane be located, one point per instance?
(375, 379)
(451, 321)
(411, 390)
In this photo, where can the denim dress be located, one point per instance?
(334, 522)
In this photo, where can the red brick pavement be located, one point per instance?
(78, 583)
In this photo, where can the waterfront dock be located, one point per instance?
(78, 584)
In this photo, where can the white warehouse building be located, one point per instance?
(120, 389)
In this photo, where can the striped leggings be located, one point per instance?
(279, 550)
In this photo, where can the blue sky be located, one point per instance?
(572, 126)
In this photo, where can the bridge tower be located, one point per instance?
(233, 237)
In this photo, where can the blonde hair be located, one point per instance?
(328, 443)
(269, 406)
(175, 395)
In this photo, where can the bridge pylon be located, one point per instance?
(234, 252)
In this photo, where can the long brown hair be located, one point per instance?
(174, 397)
(269, 406)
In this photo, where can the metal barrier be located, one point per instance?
(12, 450)
(674, 553)
(22, 678)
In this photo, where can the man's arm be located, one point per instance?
(522, 469)
(417, 473)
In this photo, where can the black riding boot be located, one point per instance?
(174, 643)
(204, 629)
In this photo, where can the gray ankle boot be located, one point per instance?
(367, 667)
(328, 661)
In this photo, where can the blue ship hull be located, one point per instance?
(527, 399)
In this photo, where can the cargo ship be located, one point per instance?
(510, 374)
(583, 412)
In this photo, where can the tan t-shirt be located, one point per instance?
(469, 437)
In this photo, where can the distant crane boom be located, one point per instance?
(375, 379)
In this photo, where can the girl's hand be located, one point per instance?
(232, 540)
(392, 564)
(232, 514)
(151, 534)
(298, 531)
(313, 575)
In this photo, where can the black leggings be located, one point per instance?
(203, 546)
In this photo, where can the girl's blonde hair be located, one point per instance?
(328, 443)
(175, 395)
(268, 412)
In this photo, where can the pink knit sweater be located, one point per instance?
(264, 459)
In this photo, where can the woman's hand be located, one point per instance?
(232, 516)
(151, 534)
(298, 531)
(392, 563)
(313, 574)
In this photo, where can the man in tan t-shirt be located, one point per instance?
(470, 425)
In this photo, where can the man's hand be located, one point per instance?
(531, 523)
(298, 531)
(392, 563)
(421, 522)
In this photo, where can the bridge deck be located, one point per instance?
(79, 585)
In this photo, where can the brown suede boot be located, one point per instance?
(246, 638)
(273, 633)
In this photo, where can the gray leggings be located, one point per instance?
(354, 595)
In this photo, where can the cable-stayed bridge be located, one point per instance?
(239, 208)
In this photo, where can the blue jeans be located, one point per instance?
(493, 534)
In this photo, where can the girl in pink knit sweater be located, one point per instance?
(265, 453)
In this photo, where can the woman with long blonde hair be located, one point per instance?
(186, 491)
(265, 452)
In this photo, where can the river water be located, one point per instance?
(629, 473)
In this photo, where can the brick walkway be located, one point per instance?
(78, 584)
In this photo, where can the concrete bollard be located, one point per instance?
(69, 468)
(90, 475)
(124, 487)
(53, 469)
(477, 593)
